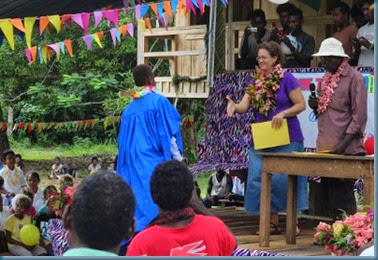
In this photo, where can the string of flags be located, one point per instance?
(163, 10)
(69, 125)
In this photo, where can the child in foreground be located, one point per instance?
(13, 226)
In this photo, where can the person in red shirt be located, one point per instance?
(177, 230)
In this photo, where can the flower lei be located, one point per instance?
(263, 90)
(13, 179)
(140, 92)
(329, 84)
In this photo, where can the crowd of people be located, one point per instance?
(357, 38)
(149, 206)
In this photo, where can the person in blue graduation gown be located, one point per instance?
(149, 134)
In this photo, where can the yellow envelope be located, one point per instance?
(264, 136)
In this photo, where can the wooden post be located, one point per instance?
(291, 218)
(4, 144)
(265, 200)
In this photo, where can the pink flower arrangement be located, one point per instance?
(346, 236)
(263, 90)
(329, 84)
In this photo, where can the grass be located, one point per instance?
(202, 180)
(34, 153)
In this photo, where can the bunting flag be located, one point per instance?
(88, 39)
(17, 23)
(116, 36)
(28, 55)
(144, 9)
(29, 23)
(126, 4)
(137, 12)
(154, 8)
(206, 2)
(56, 48)
(95, 36)
(123, 29)
(67, 19)
(112, 16)
(69, 47)
(201, 6)
(78, 20)
(148, 23)
(174, 4)
(43, 22)
(190, 6)
(62, 49)
(40, 55)
(98, 17)
(142, 25)
(130, 29)
(33, 52)
(168, 9)
(69, 125)
(55, 21)
(85, 18)
(7, 29)
(44, 53)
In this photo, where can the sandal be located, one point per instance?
(274, 229)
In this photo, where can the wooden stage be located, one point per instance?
(244, 227)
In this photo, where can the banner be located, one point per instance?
(307, 118)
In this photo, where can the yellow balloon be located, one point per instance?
(29, 235)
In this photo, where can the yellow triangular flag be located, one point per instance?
(7, 29)
(142, 25)
(29, 23)
(97, 39)
(44, 53)
(55, 20)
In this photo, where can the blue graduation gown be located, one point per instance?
(144, 141)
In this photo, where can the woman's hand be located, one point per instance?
(277, 120)
(230, 107)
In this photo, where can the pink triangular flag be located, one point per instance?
(137, 12)
(112, 15)
(98, 18)
(85, 17)
(78, 20)
(88, 41)
(190, 6)
(130, 29)
(113, 34)
(55, 47)
(28, 55)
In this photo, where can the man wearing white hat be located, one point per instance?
(341, 108)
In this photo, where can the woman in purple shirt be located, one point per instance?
(273, 95)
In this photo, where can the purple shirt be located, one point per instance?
(287, 84)
(346, 114)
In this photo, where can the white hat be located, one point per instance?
(278, 2)
(331, 47)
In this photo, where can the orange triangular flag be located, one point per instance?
(33, 51)
(100, 35)
(167, 8)
(148, 23)
(43, 22)
(154, 8)
(123, 30)
(65, 18)
(17, 23)
(48, 54)
(69, 47)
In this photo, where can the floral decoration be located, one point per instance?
(263, 90)
(346, 236)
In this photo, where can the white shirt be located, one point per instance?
(366, 56)
(94, 169)
(14, 179)
(38, 200)
(57, 168)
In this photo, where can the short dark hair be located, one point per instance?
(94, 158)
(344, 8)
(172, 185)
(142, 74)
(274, 50)
(57, 158)
(296, 12)
(47, 189)
(7, 152)
(285, 8)
(103, 210)
(258, 13)
(33, 174)
(19, 156)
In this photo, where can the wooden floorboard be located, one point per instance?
(244, 227)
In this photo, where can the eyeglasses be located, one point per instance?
(261, 58)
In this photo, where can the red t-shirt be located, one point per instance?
(204, 236)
